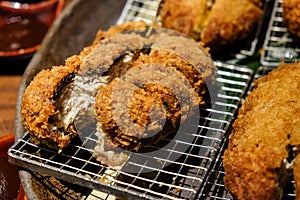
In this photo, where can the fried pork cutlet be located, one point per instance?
(46, 111)
(291, 16)
(39, 111)
(188, 17)
(167, 75)
(218, 24)
(265, 137)
(147, 89)
(163, 86)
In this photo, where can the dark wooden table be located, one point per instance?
(9, 85)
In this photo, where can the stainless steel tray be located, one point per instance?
(278, 45)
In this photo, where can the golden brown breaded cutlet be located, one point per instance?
(76, 60)
(216, 24)
(163, 85)
(146, 96)
(258, 3)
(260, 146)
(230, 22)
(38, 106)
(291, 16)
(187, 17)
(59, 101)
(39, 110)
(295, 144)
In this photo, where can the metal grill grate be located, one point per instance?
(135, 10)
(181, 178)
(214, 187)
(278, 44)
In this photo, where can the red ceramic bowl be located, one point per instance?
(24, 25)
(10, 185)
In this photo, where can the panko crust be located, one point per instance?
(217, 24)
(38, 106)
(38, 103)
(178, 61)
(141, 102)
(145, 97)
(255, 161)
(226, 27)
(291, 16)
(258, 3)
(47, 112)
(194, 77)
(77, 60)
(187, 17)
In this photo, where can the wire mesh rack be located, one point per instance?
(135, 10)
(168, 178)
(279, 44)
(214, 187)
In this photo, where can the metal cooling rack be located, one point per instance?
(181, 179)
(278, 44)
(214, 187)
(135, 10)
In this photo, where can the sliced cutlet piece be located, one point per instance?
(255, 162)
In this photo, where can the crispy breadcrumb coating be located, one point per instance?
(145, 97)
(188, 17)
(264, 134)
(230, 22)
(38, 106)
(39, 112)
(217, 24)
(291, 16)
(76, 60)
(167, 72)
(48, 106)
(162, 85)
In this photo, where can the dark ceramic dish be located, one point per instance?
(24, 25)
(74, 29)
